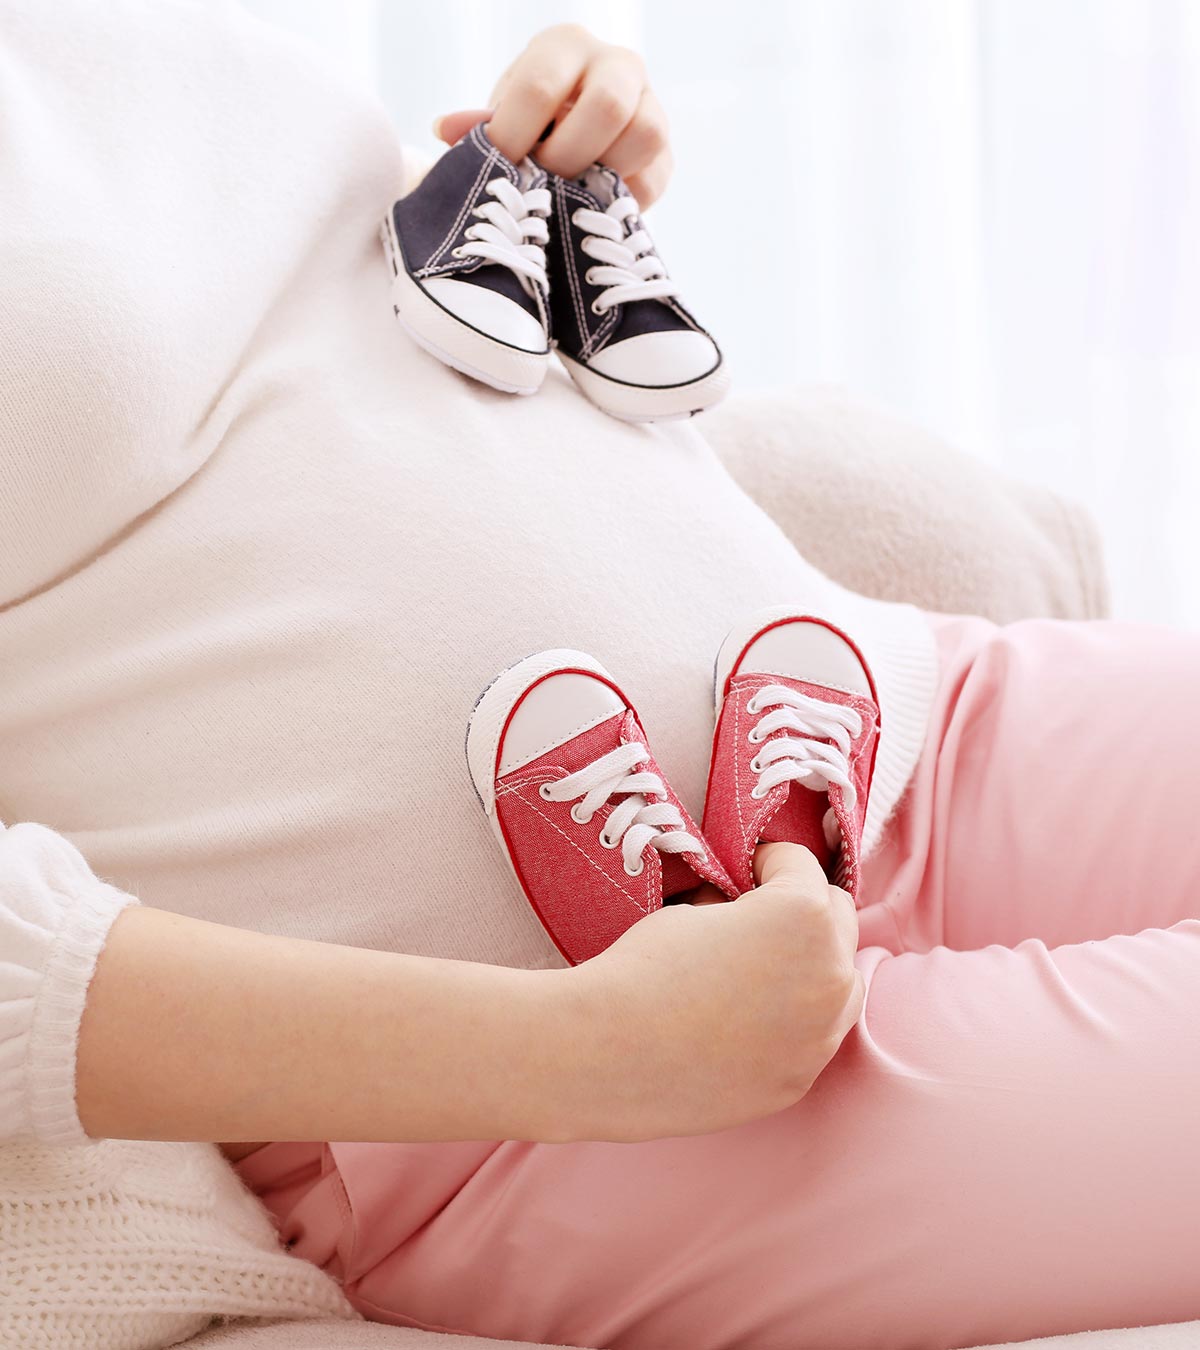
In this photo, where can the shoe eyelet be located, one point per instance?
(589, 277)
(598, 308)
(757, 793)
(578, 816)
(752, 706)
(753, 737)
(458, 253)
(544, 791)
(606, 840)
(635, 871)
(755, 766)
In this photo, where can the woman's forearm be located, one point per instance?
(697, 1018)
(197, 1031)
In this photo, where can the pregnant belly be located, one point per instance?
(252, 709)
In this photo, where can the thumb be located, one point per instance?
(451, 127)
(789, 865)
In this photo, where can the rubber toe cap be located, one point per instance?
(489, 312)
(658, 360)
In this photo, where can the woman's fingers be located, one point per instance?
(649, 185)
(642, 140)
(642, 153)
(604, 108)
(858, 1001)
(452, 127)
(720, 1013)
(791, 870)
(709, 895)
(845, 920)
(590, 100)
(788, 864)
(532, 92)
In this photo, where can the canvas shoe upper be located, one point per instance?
(618, 325)
(594, 833)
(794, 747)
(467, 253)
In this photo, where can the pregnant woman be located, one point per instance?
(259, 554)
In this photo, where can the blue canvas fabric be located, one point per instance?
(432, 221)
(577, 328)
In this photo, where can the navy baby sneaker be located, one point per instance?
(619, 329)
(467, 250)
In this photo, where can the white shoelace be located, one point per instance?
(630, 268)
(634, 822)
(512, 231)
(804, 755)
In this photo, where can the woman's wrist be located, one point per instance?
(586, 1056)
(539, 1058)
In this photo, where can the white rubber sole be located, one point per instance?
(645, 403)
(441, 334)
(492, 708)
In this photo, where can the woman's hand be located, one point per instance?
(599, 100)
(703, 1017)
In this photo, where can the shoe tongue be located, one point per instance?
(604, 184)
(677, 876)
(801, 820)
(529, 175)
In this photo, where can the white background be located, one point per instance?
(984, 214)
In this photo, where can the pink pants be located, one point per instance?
(1006, 1145)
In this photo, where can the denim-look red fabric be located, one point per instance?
(735, 822)
(579, 888)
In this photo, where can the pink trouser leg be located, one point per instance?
(1059, 793)
(1004, 1147)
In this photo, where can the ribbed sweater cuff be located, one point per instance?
(58, 1010)
(900, 648)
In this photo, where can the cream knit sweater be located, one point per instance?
(259, 554)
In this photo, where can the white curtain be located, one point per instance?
(983, 213)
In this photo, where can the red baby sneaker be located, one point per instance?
(595, 835)
(796, 709)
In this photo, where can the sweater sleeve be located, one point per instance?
(55, 914)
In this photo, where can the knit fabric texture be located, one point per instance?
(128, 1246)
(54, 917)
